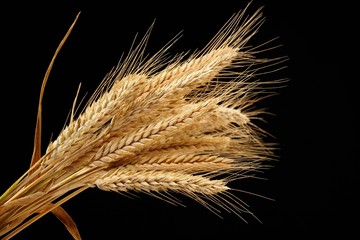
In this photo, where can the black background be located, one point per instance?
(315, 121)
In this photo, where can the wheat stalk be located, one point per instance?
(156, 125)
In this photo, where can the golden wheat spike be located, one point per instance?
(157, 126)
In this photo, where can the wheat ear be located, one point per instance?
(157, 126)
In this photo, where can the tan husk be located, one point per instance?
(155, 125)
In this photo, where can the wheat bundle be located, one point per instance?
(156, 125)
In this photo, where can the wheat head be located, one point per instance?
(158, 125)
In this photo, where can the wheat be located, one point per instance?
(158, 126)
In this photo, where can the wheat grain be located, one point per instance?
(131, 178)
